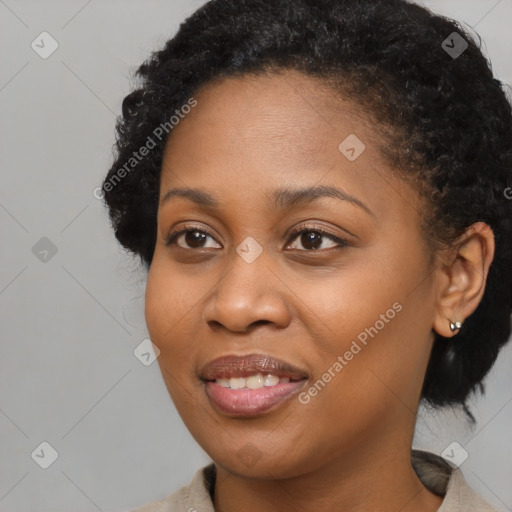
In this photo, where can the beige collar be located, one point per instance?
(435, 474)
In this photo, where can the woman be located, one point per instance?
(318, 190)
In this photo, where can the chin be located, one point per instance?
(250, 460)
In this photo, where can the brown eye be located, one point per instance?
(311, 239)
(194, 238)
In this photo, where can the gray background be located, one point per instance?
(70, 324)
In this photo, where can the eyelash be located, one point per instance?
(171, 238)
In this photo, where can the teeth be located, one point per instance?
(236, 382)
(252, 382)
(271, 380)
(223, 382)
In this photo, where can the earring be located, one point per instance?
(455, 326)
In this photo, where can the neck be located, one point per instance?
(377, 476)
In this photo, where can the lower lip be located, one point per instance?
(251, 402)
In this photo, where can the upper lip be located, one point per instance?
(229, 366)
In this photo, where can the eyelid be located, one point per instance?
(173, 234)
(305, 227)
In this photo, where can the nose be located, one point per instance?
(248, 295)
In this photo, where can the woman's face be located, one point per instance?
(351, 310)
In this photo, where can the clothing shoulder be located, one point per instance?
(447, 481)
(175, 502)
(195, 497)
(434, 472)
(468, 499)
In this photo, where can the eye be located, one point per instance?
(193, 237)
(311, 238)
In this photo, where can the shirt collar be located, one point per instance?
(435, 474)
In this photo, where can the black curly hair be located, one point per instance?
(445, 122)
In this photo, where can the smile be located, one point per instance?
(244, 401)
(250, 384)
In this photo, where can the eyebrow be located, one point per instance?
(282, 198)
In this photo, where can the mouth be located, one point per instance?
(250, 385)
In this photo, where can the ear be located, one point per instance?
(462, 278)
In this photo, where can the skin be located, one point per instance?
(349, 447)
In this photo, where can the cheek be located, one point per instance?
(341, 306)
(372, 375)
(168, 310)
(369, 318)
(169, 297)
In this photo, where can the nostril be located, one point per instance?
(215, 324)
(260, 322)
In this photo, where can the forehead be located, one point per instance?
(249, 135)
(281, 116)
